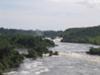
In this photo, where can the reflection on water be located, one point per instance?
(71, 61)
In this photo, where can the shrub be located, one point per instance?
(94, 51)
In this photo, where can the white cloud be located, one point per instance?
(90, 3)
(50, 14)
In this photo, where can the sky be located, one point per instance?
(49, 14)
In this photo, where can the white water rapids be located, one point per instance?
(72, 60)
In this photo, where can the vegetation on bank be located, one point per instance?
(53, 53)
(82, 35)
(11, 58)
(52, 34)
(94, 51)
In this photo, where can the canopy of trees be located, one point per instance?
(10, 57)
(82, 35)
(52, 34)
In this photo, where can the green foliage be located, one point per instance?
(94, 51)
(32, 54)
(49, 43)
(82, 35)
(10, 32)
(53, 53)
(50, 53)
(53, 34)
(36, 45)
(10, 58)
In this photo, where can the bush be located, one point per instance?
(9, 58)
(32, 54)
(94, 51)
(55, 53)
(50, 53)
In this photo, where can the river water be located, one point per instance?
(72, 60)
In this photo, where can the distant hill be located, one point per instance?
(52, 34)
(9, 32)
(82, 35)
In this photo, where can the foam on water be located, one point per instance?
(83, 56)
(30, 67)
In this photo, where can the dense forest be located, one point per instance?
(49, 33)
(82, 35)
(12, 40)
(24, 32)
(52, 34)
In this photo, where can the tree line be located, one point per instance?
(11, 58)
(82, 35)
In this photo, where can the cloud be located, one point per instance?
(50, 14)
(90, 3)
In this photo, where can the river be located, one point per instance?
(72, 60)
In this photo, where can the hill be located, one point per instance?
(52, 34)
(82, 35)
(14, 32)
(49, 33)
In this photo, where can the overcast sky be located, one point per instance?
(49, 14)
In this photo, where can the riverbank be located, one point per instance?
(11, 58)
